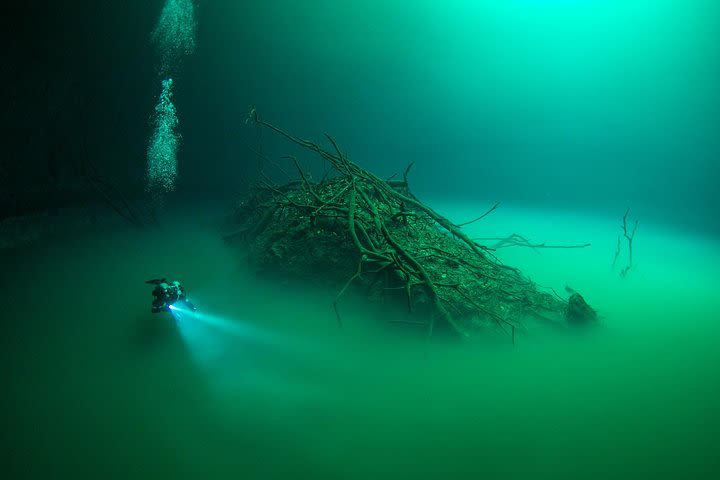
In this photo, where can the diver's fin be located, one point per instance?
(156, 281)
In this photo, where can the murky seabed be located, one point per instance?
(265, 386)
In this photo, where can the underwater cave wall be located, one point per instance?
(74, 89)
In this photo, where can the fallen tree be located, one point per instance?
(354, 229)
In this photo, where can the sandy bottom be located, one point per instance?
(263, 385)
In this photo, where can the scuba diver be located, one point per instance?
(166, 294)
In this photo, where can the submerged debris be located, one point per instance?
(579, 312)
(356, 230)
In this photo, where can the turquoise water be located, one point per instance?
(97, 387)
(566, 111)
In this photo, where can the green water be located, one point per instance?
(97, 387)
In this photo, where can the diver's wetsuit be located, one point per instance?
(168, 293)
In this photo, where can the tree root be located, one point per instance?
(354, 221)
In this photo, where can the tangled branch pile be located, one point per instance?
(356, 229)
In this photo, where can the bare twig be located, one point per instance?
(480, 217)
(516, 240)
(629, 236)
(407, 171)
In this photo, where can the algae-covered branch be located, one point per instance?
(355, 230)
